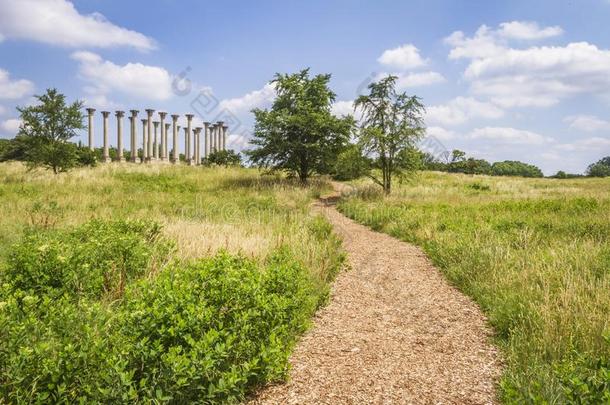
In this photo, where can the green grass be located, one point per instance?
(533, 253)
(130, 283)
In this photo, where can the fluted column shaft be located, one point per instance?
(156, 141)
(105, 114)
(90, 112)
(165, 148)
(188, 149)
(146, 136)
(197, 145)
(175, 138)
(224, 137)
(134, 136)
(206, 140)
(119, 135)
(149, 151)
(163, 136)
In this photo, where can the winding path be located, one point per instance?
(393, 332)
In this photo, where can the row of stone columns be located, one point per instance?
(155, 142)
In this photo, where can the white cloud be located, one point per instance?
(589, 123)
(404, 57)
(461, 110)
(57, 22)
(14, 89)
(527, 30)
(586, 145)
(538, 76)
(344, 107)
(133, 79)
(249, 101)
(409, 80)
(10, 126)
(441, 133)
(2, 110)
(509, 136)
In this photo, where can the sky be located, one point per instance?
(501, 80)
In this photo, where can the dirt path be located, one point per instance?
(394, 332)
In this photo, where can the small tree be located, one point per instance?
(600, 169)
(391, 122)
(223, 158)
(299, 134)
(46, 130)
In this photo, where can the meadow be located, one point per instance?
(533, 253)
(127, 283)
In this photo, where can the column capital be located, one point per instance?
(90, 110)
(149, 111)
(206, 124)
(189, 116)
(156, 123)
(220, 123)
(198, 129)
(167, 125)
(178, 127)
(225, 127)
(134, 113)
(119, 113)
(175, 117)
(144, 120)
(105, 113)
(162, 114)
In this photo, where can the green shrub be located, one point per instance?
(93, 259)
(515, 168)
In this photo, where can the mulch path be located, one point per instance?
(393, 332)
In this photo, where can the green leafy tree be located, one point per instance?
(458, 156)
(223, 158)
(46, 130)
(351, 164)
(391, 122)
(299, 134)
(600, 169)
(515, 168)
(470, 166)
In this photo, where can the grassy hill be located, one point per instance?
(535, 255)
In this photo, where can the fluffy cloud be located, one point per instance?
(404, 57)
(14, 89)
(526, 30)
(133, 79)
(57, 22)
(249, 101)
(589, 123)
(344, 107)
(441, 133)
(538, 76)
(461, 110)
(586, 145)
(10, 126)
(508, 135)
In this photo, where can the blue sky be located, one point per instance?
(518, 80)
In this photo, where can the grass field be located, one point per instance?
(210, 269)
(535, 255)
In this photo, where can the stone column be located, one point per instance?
(206, 139)
(156, 141)
(197, 146)
(149, 151)
(163, 136)
(165, 148)
(187, 160)
(146, 136)
(90, 112)
(219, 125)
(213, 139)
(134, 136)
(175, 158)
(225, 128)
(106, 152)
(105, 114)
(119, 134)
(188, 154)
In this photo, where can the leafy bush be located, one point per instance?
(470, 166)
(600, 169)
(351, 164)
(515, 168)
(94, 259)
(202, 332)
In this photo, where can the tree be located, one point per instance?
(469, 166)
(351, 164)
(299, 134)
(223, 158)
(46, 130)
(391, 122)
(515, 168)
(600, 169)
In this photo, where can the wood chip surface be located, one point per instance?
(394, 332)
